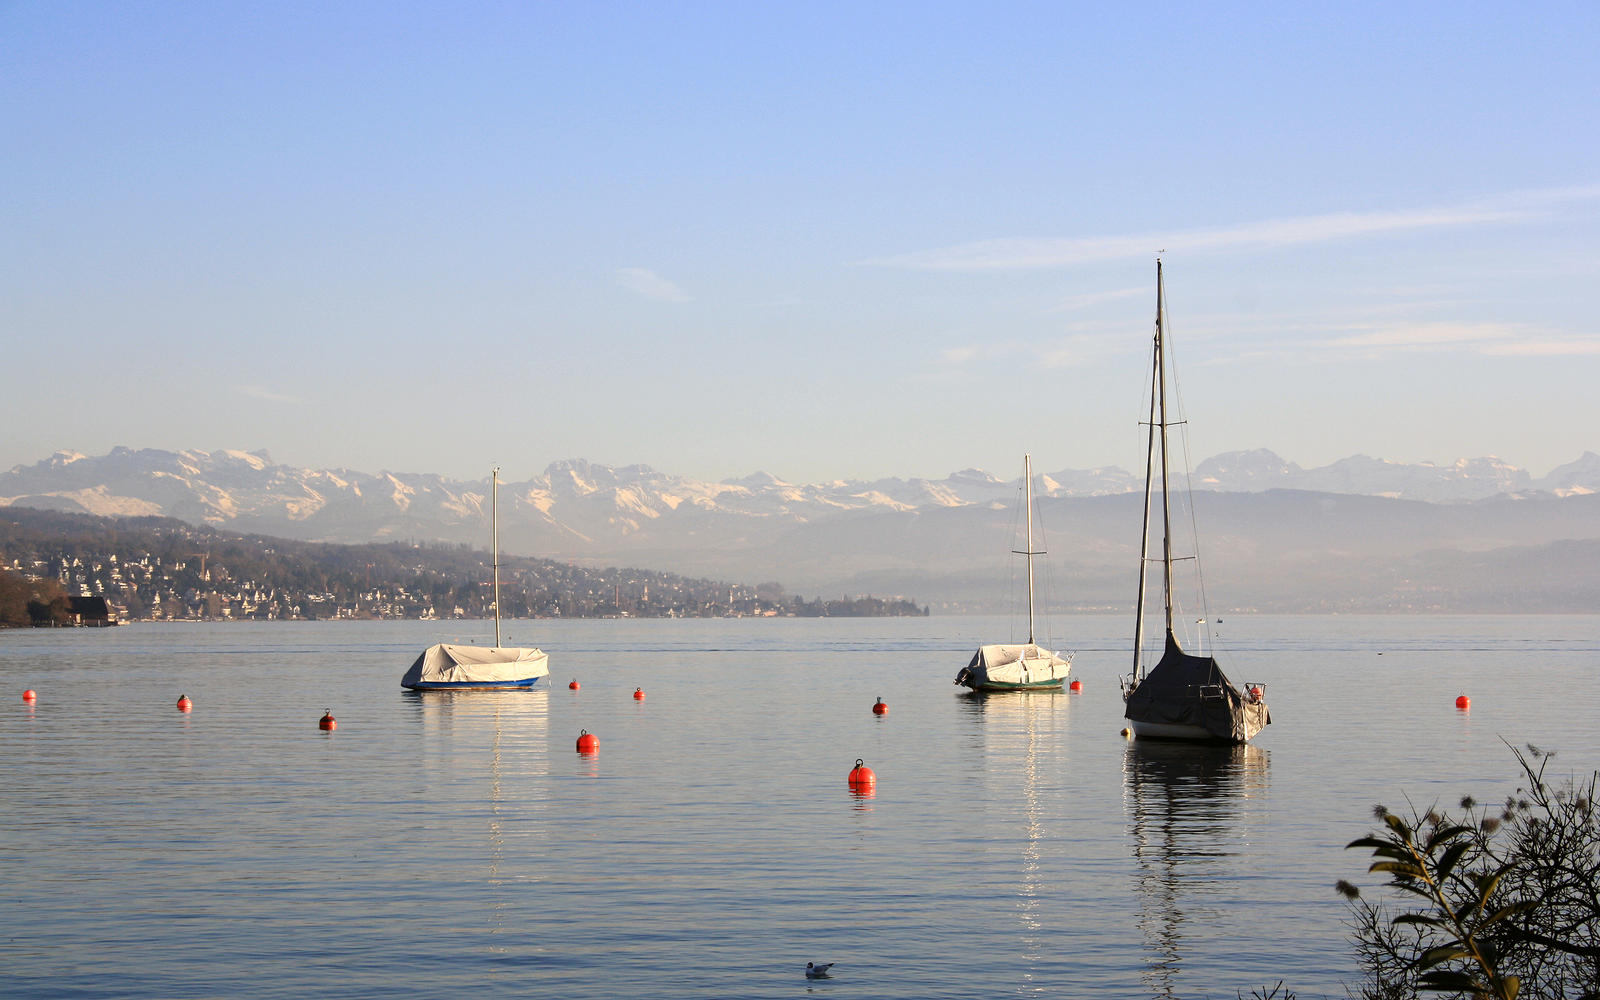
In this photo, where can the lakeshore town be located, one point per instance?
(56, 571)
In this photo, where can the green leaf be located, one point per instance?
(1380, 848)
(1509, 987)
(1440, 836)
(1443, 953)
(1401, 828)
(1450, 981)
(1486, 886)
(1398, 868)
(1452, 856)
(1418, 918)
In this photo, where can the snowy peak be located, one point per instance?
(577, 499)
(1246, 470)
(1581, 476)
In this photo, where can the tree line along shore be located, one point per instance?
(59, 568)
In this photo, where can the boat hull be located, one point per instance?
(1014, 667)
(1175, 732)
(474, 685)
(1055, 685)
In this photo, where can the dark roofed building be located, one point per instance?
(91, 611)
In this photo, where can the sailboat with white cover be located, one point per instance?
(1018, 666)
(1184, 696)
(455, 667)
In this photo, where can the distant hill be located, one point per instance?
(162, 568)
(1360, 534)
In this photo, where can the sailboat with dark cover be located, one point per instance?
(1185, 696)
(1018, 666)
(456, 667)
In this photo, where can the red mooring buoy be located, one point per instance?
(638, 694)
(573, 685)
(880, 708)
(28, 695)
(588, 742)
(184, 704)
(1076, 685)
(861, 777)
(1463, 702)
(327, 721)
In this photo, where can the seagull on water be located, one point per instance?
(816, 971)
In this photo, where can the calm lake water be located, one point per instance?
(455, 844)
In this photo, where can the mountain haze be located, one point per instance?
(1359, 534)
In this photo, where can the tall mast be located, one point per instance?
(1166, 505)
(494, 507)
(1149, 465)
(1027, 491)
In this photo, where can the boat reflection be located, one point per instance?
(1191, 809)
(1020, 743)
(501, 736)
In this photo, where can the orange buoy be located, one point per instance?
(1256, 692)
(1463, 702)
(184, 704)
(327, 721)
(638, 694)
(573, 685)
(880, 708)
(861, 777)
(28, 695)
(588, 742)
(1076, 685)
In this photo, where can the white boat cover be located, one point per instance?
(449, 664)
(1014, 663)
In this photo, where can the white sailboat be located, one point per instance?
(1018, 666)
(456, 667)
(1184, 696)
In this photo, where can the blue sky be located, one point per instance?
(822, 240)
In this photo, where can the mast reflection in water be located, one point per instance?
(1192, 811)
(1019, 728)
(476, 742)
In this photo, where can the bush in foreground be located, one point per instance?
(1500, 902)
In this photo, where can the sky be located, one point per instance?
(823, 240)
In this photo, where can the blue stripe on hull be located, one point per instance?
(472, 685)
(999, 686)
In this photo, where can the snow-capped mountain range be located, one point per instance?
(249, 489)
(932, 538)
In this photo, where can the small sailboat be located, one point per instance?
(1184, 696)
(455, 667)
(1018, 666)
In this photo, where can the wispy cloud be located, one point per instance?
(645, 282)
(1074, 303)
(257, 392)
(1070, 351)
(1489, 339)
(1012, 254)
